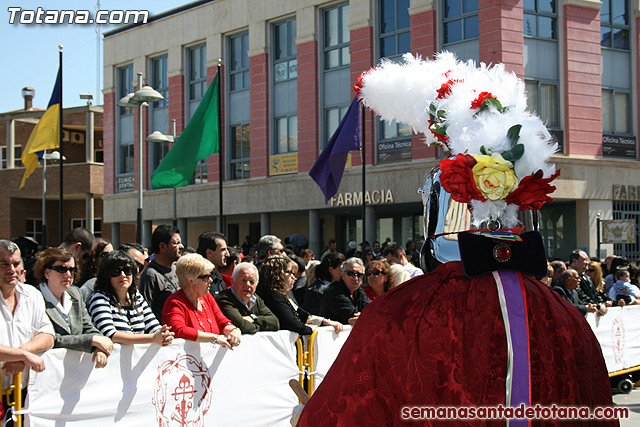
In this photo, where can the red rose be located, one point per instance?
(445, 89)
(532, 191)
(477, 103)
(456, 177)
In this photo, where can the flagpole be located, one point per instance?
(221, 221)
(61, 155)
(364, 180)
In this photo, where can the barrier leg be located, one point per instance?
(15, 401)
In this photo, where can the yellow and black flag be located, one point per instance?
(46, 134)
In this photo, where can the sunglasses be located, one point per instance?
(127, 270)
(205, 276)
(591, 270)
(62, 269)
(374, 273)
(354, 274)
(140, 266)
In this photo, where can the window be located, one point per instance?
(82, 222)
(395, 40)
(542, 99)
(541, 64)
(285, 91)
(540, 17)
(395, 37)
(614, 24)
(197, 76)
(125, 121)
(336, 37)
(616, 112)
(239, 107)
(460, 20)
(34, 229)
(196, 88)
(17, 162)
(159, 110)
(617, 102)
(336, 76)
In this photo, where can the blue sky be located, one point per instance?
(30, 52)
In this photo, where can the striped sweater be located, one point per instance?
(110, 319)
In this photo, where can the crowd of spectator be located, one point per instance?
(87, 295)
(593, 286)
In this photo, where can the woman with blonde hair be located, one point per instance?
(192, 312)
(594, 271)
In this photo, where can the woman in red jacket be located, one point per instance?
(192, 312)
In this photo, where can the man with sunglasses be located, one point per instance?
(344, 299)
(25, 324)
(159, 279)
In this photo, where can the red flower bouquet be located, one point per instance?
(532, 192)
(456, 177)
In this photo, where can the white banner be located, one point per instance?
(618, 332)
(183, 384)
(326, 347)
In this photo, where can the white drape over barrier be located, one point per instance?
(618, 332)
(204, 385)
(326, 346)
(183, 384)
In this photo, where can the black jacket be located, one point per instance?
(337, 303)
(289, 318)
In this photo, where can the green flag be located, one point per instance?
(199, 140)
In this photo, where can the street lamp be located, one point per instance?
(55, 155)
(138, 99)
(159, 137)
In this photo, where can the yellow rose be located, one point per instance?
(494, 176)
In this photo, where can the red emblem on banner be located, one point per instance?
(617, 332)
(181, 394)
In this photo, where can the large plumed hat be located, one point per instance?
(499, 160)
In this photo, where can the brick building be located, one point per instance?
(21, 210)
(288, 68)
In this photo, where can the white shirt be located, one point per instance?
(28, 319)
(413, 271)
(63, 308)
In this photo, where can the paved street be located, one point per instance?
(631, 401)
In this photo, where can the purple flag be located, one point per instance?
(328, 169)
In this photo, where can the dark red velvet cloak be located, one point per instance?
(439, 340)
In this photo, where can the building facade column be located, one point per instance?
(115, 234)
(89, 137)
(371, 219)
(314, 231)
(11, 142)
(90, 212)
(265, 224)
(183, 226)
(146, 233)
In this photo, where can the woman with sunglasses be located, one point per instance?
(56, 269)
(378, 279)
(192, 312)
(277, 276)
(117, 308)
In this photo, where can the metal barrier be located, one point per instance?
(14, 397)
(306, 362)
